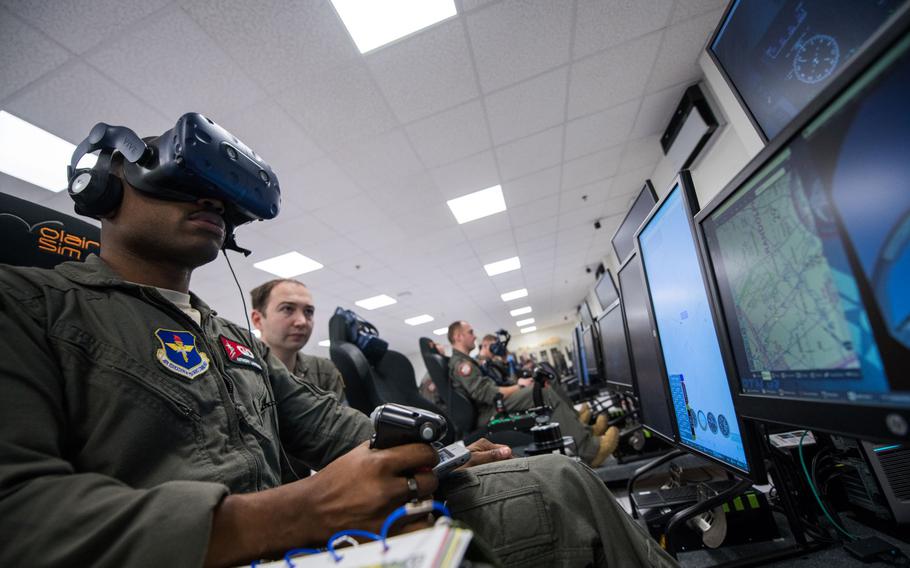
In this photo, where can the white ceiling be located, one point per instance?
(560, 101)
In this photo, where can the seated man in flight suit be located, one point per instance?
(133, 434)
(283, 313)
(594, 445)
(490, 365)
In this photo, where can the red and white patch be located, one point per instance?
(464, 369)
(240, 354)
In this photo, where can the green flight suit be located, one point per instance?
(467, 378)
(320, 372)
(123, 423)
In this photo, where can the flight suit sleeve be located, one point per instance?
(315, 427)
(51, 513)
(330, 377)
(468, 377)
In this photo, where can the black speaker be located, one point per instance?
(690, 127)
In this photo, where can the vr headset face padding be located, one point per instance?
(194, 160)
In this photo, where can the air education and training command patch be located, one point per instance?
(179, 353)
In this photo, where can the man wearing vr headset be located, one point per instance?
(490, 365)
(140, 429)
(594, 445)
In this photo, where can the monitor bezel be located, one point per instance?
(748, 431)
(603, 308)
(726, 76)
(647, 188)
(864, 421)
(621, 387)
(672, 437)
(598, 374)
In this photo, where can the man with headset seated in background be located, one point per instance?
(593, 445)
(283, 313)
(490, 365)
(136, 433)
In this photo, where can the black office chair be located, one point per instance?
(34, 235)
(460, 409)
(354, 367)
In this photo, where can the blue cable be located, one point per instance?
(386, 526)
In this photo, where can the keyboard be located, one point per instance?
(673, 496)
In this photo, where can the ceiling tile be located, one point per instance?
(591, 168)
(73, 98)
(450, 135)
(467, 175)
(26, 55)
(690, 8)
(600, 130)
(516, 39)
(612, 77)
(599, 24)
(212, 85)
(534, 212)
(528, 107)
(316, 184)
(257, 127)
(425, 73)
(641, 153)
(487, 226)
(276, 41)
(632, 181)
(535, 230)
(530, 154)
(579, 218)
(531, 187)
(79, 25)
(338, 107)
(683, 44)
(387, 158)
(586, 196)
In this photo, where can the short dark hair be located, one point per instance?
(489, 337)
(454, 328)
(260, 294)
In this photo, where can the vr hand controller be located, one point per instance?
(396, 424)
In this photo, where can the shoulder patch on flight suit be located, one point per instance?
(240, 354)
(179, 353)
(464, 369)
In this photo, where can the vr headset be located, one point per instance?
(364, 335)
(500, 347)
(195, 159)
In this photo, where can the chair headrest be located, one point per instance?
(346, 325)
(34, 235)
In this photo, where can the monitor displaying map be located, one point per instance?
(699, 389)
(811, 253)
(777, 55)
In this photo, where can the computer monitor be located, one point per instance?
(614, 349)
(809, 248)
(649, 383)
(605, 291)
(680, 309)
(777, 55)
(591, 358)
(624, 238)
(578, 356)
(584, 311)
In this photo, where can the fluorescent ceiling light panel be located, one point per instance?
(417, 320)
(35, 155)
(478, 204)
(514, 295)
(524, 322)
(325, 343)
(374, 23)
(520, 311)
(502, 266)
(441, 331)
(288, 265)
(376, 302)
(528, 329)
